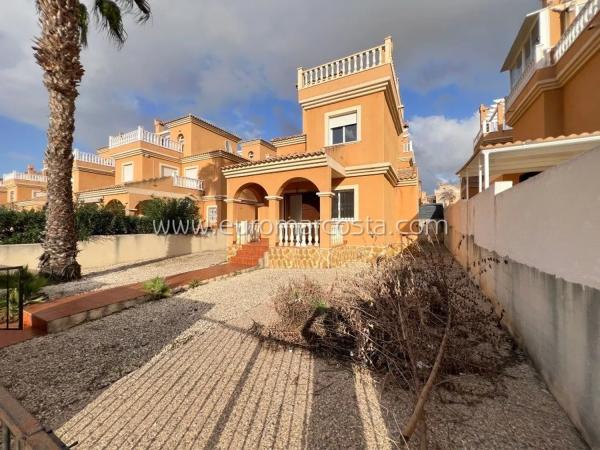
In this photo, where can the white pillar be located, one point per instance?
(480, 175)
(486, 169)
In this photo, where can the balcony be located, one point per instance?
(25, 177)
(141, 135)
(93, 159)
(188, 183)
(580, 24)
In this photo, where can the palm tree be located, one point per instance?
(64, 26)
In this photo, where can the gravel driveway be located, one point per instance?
(184, 373)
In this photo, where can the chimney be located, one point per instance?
(159, 127)
(501, 113)
(483, 111)
(30, 169)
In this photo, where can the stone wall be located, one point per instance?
(103, 251)
(322, 258)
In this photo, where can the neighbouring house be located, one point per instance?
(533, 248)
(23, 190)
(352, 163)
(552, 112)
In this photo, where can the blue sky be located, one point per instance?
(235, 63)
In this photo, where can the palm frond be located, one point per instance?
(109, 18)
(142, 8)
(84, 21)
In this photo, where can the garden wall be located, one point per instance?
(545, 234)
(101, 251)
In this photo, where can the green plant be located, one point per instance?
(30, 282)
(194, 284)
(157, 287)
(169, 210)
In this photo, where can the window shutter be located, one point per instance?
(342, 121)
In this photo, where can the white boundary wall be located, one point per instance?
(101, 251)
(546, 232)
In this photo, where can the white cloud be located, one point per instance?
(442, 145)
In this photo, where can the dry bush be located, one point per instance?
(416, 317)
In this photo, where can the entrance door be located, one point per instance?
(296, 207)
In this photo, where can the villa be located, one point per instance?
(551, 112)
(346, 188)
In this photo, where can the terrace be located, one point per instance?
(142, 135)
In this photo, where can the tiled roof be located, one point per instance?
(540, 140)
(283, 138)
(192, 117)
(277, 158)
(409, 173)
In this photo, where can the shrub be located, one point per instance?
(21, 227)
(31, 283)
(170, 210)
(157, 287)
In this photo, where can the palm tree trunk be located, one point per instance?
(57, 51)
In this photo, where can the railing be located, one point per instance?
(188, 183)
(145, 136)
(247, 231)
(408, 146)
(93, 159)
(347, 65)
(298, 234)
(571, 34)
(20, 430)
(25, 176)
(524, 79)
(11, 298)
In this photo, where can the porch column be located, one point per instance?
(273, 217)
(230, 224)
(325, 217)
(480, 176)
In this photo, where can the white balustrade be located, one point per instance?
(93, 159)
(25, 176)
(347, 65)
(145, 136)
(581, 22)
(247, 231)
(188, 183)
(298, 234)
(523, 80)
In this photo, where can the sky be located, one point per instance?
(234, 62)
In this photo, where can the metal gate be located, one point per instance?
(11, 298)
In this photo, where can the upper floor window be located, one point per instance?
(228, 148)
(343, 128)
(166, 171)
(127, 174)
(181, 140)
(250, 154)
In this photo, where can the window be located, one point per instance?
(211, 215)
(166, 171)
(127, 172)
(344, 204)
(181, 141)
(343, 128)
(191, 172)
(250, 154)
(228, 148)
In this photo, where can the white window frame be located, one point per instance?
(342, 112)
(162, 166)
(195, 168)
(354, 187)
(208, 208)
(127, 164)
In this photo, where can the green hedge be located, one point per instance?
(27, 227)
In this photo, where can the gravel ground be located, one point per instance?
(107, 277)
(203, 382)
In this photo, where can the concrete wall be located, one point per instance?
(545, 234)
(102, 251)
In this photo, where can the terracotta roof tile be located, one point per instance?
(409, 173)
(283, 138)
(540, 140)
(277, 158)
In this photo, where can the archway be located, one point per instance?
(115, 207)
(300, 200)
(250, 203)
